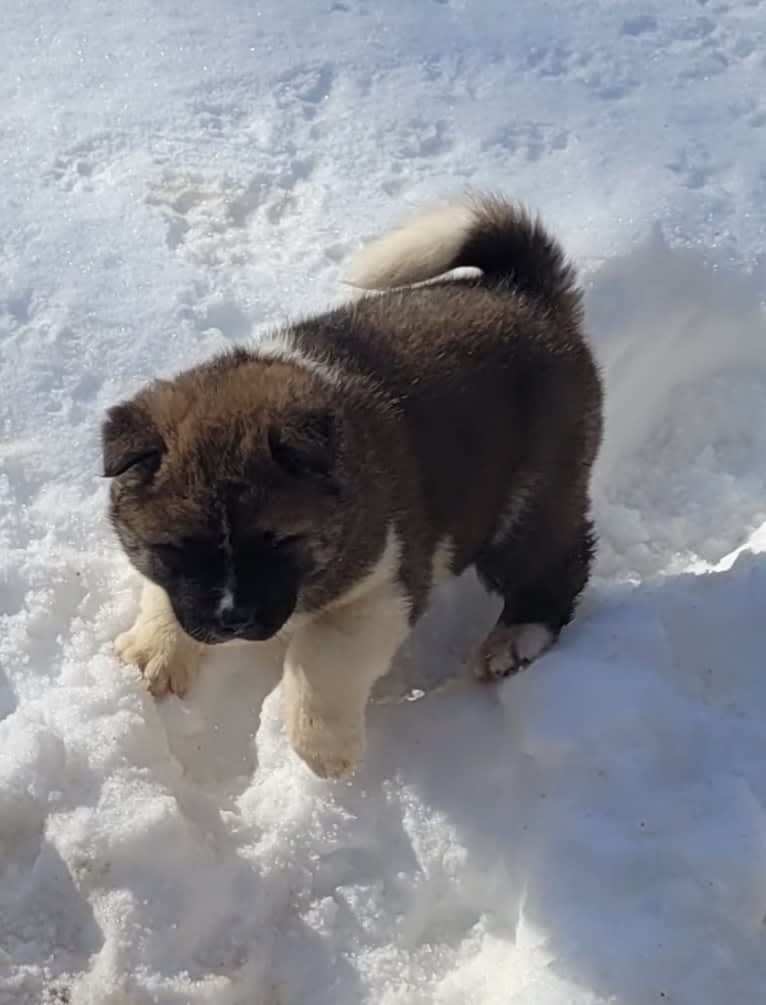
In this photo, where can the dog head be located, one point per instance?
(226, 484)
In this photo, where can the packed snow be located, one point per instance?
(174, 178)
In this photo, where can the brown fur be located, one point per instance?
(212, 425)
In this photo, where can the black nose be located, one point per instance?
(234, 619)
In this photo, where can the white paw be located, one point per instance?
(329, 750)
(509, 648)
(168, 662)
(325, 761)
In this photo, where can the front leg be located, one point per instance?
(166, 656)
(330, 667)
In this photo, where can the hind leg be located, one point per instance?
(540, 573)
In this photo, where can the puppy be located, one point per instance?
(316, 487)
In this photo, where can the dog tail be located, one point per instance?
(509, 246)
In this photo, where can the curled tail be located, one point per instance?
(488, 233)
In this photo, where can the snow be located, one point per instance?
(175, 177)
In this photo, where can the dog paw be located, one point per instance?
(510, 648)
(167, 662)
(328, 764)
(328, 752)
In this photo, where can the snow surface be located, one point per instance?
(175, 176)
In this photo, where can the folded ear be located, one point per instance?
(305, 444)
(130, 441)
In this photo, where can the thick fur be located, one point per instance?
(317, 487)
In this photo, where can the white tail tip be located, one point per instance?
(422, 249)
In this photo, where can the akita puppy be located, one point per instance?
(316, 486)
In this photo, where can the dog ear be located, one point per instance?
(130, 442)
(305, 444)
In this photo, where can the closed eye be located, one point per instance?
(276, 540)
(289, 538)
(188, 549)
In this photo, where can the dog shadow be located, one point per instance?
(617, 865)
(212, 732)
(8, 700)
(440, 649)
(48, 928)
